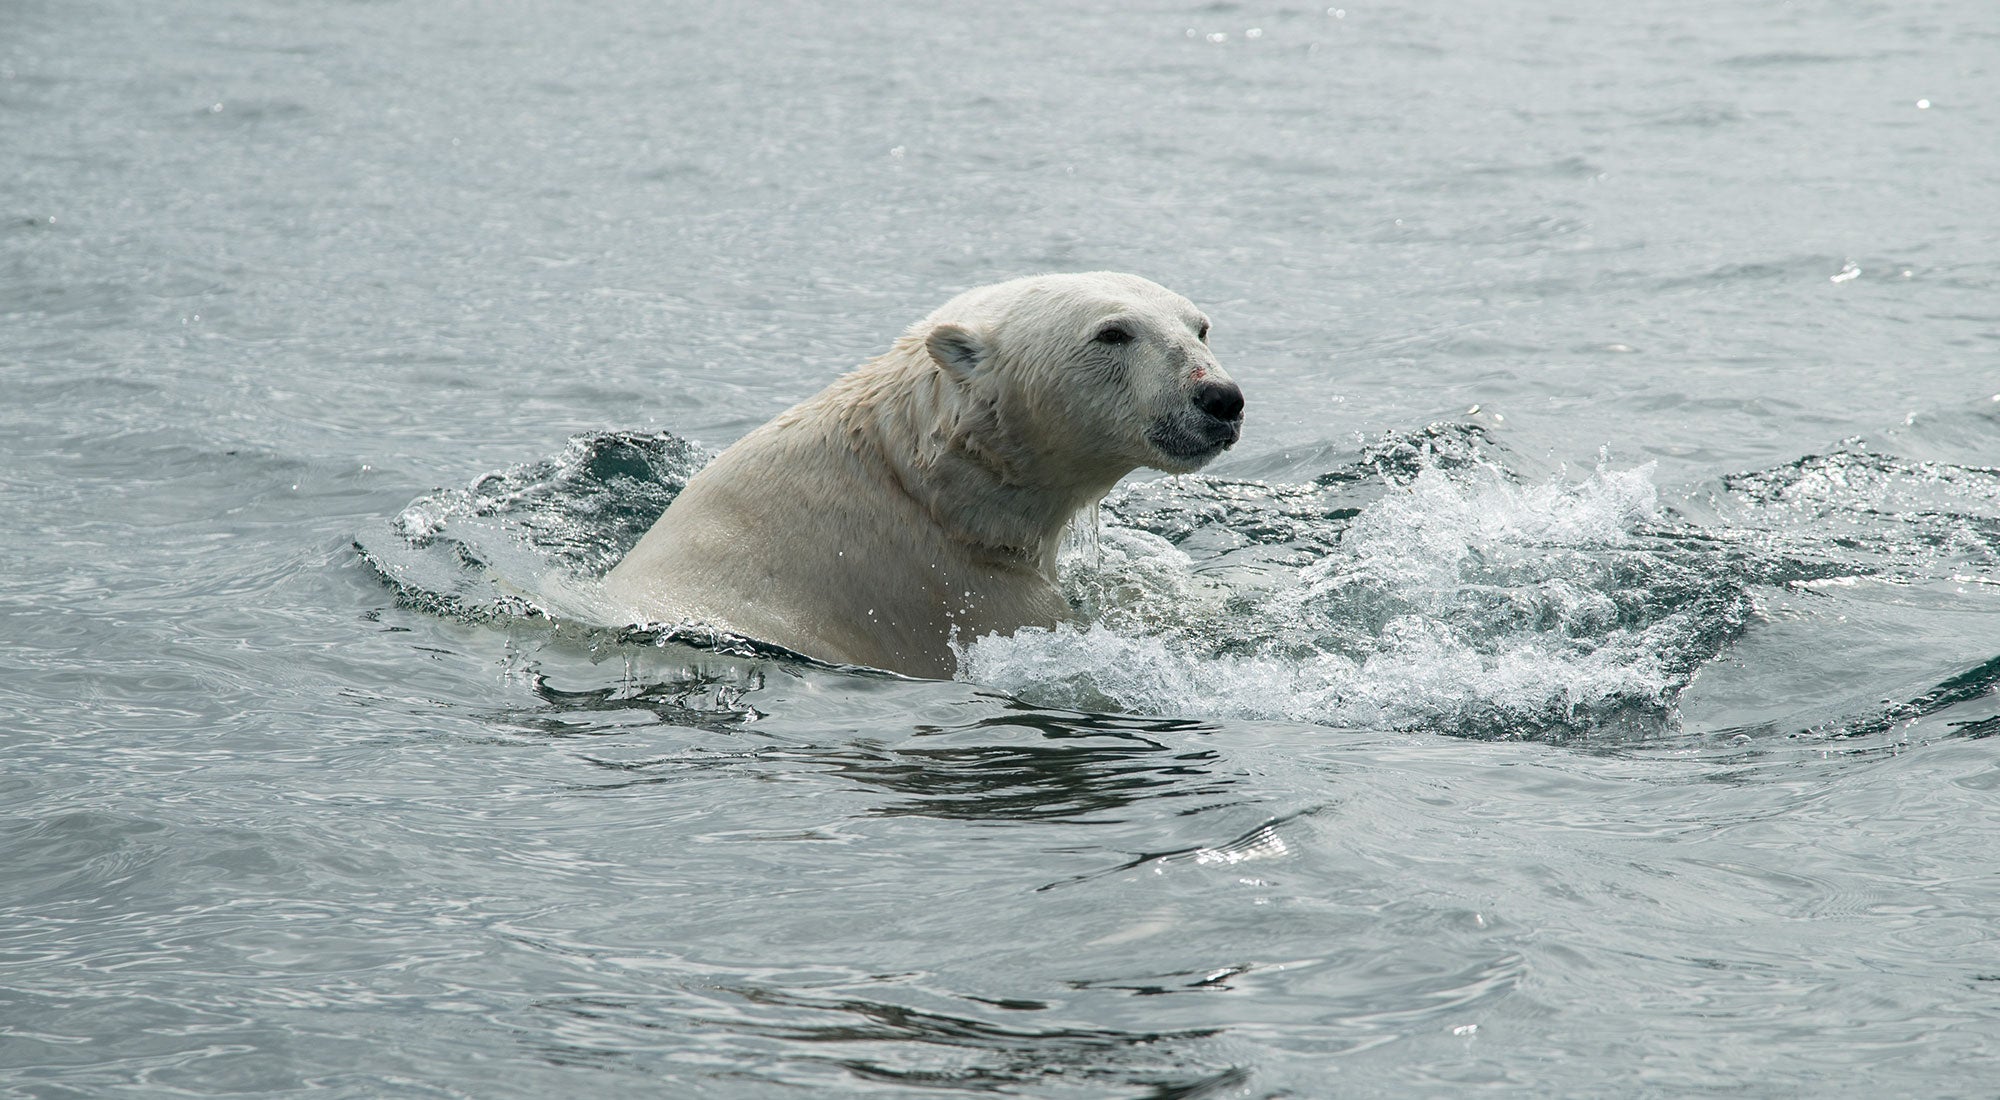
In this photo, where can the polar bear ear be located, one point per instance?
(957, 349)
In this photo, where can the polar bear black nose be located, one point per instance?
(1221, 400)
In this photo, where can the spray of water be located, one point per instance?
(1459, 600)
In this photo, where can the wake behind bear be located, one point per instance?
(923, 496)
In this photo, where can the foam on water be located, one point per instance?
(1460, 601)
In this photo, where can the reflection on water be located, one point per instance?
(1265, 842)
(1026, 765)
(1018, 764)
(714, 698)
(884, 1041)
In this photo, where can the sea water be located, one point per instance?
(1580, 680)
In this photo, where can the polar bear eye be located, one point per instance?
(1113, 334)
(1203, 334)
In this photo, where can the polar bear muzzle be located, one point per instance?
(1210, 424)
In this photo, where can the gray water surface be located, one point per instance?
(1580, 681)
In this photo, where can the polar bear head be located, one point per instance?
(1079, 379)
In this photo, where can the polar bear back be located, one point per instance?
(792, 537)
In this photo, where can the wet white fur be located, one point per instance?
(925, 493)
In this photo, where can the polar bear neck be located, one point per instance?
(953, 455)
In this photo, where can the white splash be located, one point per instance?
(1456, 601)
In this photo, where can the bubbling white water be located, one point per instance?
(1459, 601)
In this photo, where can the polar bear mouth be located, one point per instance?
(1194, 439)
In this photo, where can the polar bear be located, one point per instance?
(923, 496)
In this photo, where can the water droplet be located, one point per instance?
(216, 109)
(1848, 273)
(1218, 37)
(1923, 104)
(1254, 32)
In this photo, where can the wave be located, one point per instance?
(1421, 582)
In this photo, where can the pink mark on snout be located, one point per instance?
(1199, 374)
